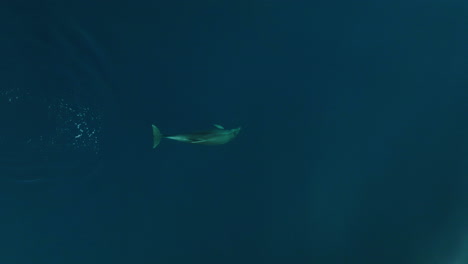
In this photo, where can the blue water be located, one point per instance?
(353, 146)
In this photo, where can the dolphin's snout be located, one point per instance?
(236, 131)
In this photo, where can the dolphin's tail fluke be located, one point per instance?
(157, 136)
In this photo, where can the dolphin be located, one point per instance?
(216, 136)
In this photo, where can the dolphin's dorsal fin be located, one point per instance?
(218, 126)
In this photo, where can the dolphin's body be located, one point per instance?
(216, 136)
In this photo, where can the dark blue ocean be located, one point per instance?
(353, 147)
